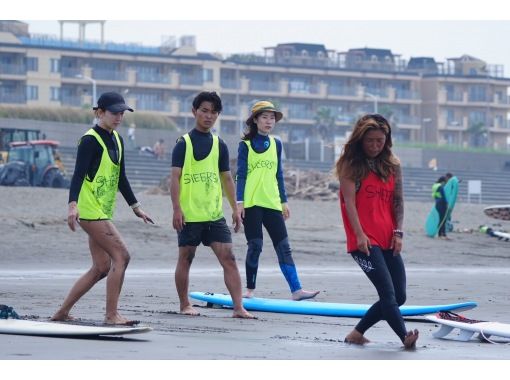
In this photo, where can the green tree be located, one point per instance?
(478, 134)
(325, 122)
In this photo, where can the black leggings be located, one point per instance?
(442, 207)
(254, 218)
(388, 275)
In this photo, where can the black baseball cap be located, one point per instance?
(113, 102)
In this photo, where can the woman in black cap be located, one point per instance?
(98, 175)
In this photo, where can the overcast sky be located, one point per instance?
(440, 30)
(487, 40)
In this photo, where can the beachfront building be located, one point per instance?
(321, 91)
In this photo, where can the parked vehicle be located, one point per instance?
(33, 163)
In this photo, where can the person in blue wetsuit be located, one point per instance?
(261, 197)
(441, 205)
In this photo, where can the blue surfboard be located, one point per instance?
(451, 189)
(321, 308)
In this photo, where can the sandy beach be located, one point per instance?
(41, 258)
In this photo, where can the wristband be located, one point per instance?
(135, 205)
(398, 233)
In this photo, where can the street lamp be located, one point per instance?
(424, 123)
(375, 98)
(93, 81)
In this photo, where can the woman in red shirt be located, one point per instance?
(372, 207)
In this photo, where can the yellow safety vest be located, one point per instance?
(98, 195)
(261, 185)
(201, 198)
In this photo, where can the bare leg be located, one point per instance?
(232, 278)
(106, 237)
(186, 255)
(355, 337)
(98, 270)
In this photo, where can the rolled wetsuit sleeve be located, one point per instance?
(279, 173)
(88, 148)
(242, 170)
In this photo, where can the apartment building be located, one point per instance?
(320, 91)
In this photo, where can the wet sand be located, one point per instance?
(41, 258)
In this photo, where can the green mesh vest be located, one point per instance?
(201, 197)
(261, 185)
(98, 195)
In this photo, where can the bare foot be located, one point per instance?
(355, 337)
(188, 310)
(243, 314)
(410, 340)
(118, 319)
(250, 293)
(301, 294)
(62, 317)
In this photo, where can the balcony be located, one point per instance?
(408, 121)
(264, 86)
(73, 101)
(13, 69)
(152, 105)
(342, 91)
(191, 80)
(13, 98)
(110, 75)
(301, 114)
(229, 84)
(407, 94)
(303, 89)
(70, 72)
(455, 96)
(153, 78)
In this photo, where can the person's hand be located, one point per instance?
(73, 216)
(396, 245)
(240, 210)
(141, 214)
(363, 244)
(285, 211)
(236, 219)
(178, 220)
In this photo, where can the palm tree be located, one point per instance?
(478, 132)
(325, 122)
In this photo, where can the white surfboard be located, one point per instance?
(468, 328)
(29, 327)
(501, 212)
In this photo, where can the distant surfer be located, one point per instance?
(261, 197)
(372, 205)
(98, 175)
(200, 174)
(439, 196)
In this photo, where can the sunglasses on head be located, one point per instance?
(379, 119)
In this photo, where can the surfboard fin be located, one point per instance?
(442, 332)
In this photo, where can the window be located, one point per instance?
(55, 93)
(207, 75)
(54, 65)
(32, 92)
(32, 63)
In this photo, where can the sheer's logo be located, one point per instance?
(364, 264)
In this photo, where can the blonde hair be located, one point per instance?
(353, 163)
